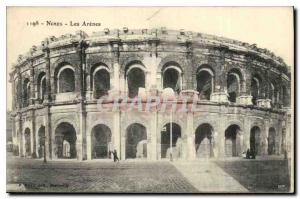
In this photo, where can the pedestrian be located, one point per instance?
(115, 156)
(248, 154)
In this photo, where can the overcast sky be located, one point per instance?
(268, 27)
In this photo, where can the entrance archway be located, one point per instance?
(41, 141)
(101, 142)
(176, 141)
(232, 141)
(65, 141)
(204, 141)
(271, 141)
(255, 140)
(136, 141)
(27, 136)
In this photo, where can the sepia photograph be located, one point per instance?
(150, 100)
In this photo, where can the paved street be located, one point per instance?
(147, 176)
(97, 176)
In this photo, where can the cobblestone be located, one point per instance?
(97, 176)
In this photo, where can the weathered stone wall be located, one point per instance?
(153, 51)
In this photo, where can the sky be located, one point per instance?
(268, 27)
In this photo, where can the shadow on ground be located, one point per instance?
(263, 176)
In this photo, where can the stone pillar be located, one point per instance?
(147, 80)
(50, 137)
(89, 90)
(247, 132)
(264, 138)
(20, 135)
(189, 69)
(219, 137)
(159, 84)
(153, 62)
(117, 133)
(20, 90)
(81, 140)
(88, 146)
(245, 97)
(191, 152)
(123, 145)
(152, 138)
(34, 133)
(23, 142)
(158, 135)
(32, 96)
(219, 93)
(241, 149)
(13, 94)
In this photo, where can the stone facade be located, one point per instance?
(243, 96)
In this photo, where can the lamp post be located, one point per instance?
(168, 93)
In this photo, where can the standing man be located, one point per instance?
(115, 156)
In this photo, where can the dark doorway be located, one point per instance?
(41, 143)
(65, 141)
(27, 136)
(136, 141)
(271, 141)
(232, 141)
(255, 140)
(176, 141)
(204, 141)
(101, 141)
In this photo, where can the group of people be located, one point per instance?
(250, 154)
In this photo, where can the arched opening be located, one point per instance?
(41, 86)
(66, 79)
(204, 83)
(255, 140)
(65, 141)
(176, 141)
(172, 78)
(233, 86)
(26, 92)
(136, 141)
(41, 141)
(101, 83)
(135, 80)
(27, 136)
(271, 141)
(255, 85)
(232, 141)
(204, 141)
(101, 142)
(285, 96)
